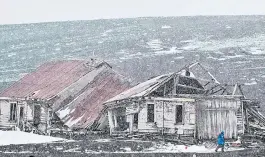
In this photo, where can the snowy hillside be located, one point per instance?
(231, 47)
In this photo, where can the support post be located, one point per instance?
(163, 121)
(131, 117)
(235, 88)
(115, 120)
(243, 118)
(247, 122)
(111, 124)
(176, 80)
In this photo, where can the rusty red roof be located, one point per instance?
(48, 80)
(76, 88)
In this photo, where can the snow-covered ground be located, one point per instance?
(19, 137)
(172, 148)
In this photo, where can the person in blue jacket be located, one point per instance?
(220, 141)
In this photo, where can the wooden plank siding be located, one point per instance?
(5, 114)
(5, 120)
(22, 118)
(216, 115)
(202, 118)
(167, 110)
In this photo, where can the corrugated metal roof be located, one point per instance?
(48, 80)
(85, 108)
(140, 89)
(77, 89)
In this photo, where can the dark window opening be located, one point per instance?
(122, 124)
(37, 114)
(150, 113)
(187, 73)
(13, 113)
(178, 114)
(21, 112)
(135, 118)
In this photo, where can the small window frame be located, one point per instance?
(151, 116)
(13, 112)
(179, 122)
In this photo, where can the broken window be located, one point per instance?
(150, 113)
(123, 125)
(178, 114)
(135, 118)
(13, 113)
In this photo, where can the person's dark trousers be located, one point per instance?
(220, 146)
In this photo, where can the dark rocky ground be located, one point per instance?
(102, 145)
(76, 149)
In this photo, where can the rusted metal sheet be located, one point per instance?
(87, 107)
(48, 80)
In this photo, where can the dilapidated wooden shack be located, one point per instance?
(67, 94)
(182, 104)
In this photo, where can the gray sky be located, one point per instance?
(31, 11)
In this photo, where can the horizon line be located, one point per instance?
(137, 17)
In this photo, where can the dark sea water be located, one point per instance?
(231, 47)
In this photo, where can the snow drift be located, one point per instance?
(19, 137)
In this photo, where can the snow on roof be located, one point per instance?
(141, 89)
(19, 137)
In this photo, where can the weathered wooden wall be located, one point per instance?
(5, 121)
(165, 115)
(215, 115)
(5, 114)
(44, 116)
(202, 117)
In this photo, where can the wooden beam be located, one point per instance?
(213, 78)
(180, 85)
(241, 91)
(115, 120)
(235, 88)
(213, 92)
(173, 99)
(198, 79)
(161, 83)
(111, 124)
(131, 117)
(243, 117)
(176, 81)
(165, 88)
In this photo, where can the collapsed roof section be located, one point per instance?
(74, 89)
(192, 79)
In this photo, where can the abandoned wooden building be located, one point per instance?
(183, 104)
(11, 112)
(16, 113)
(63, 94)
